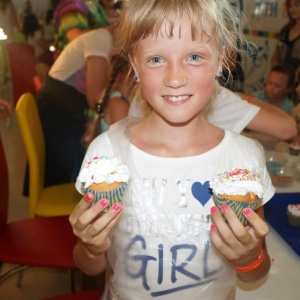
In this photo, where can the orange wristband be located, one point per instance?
(249, 99)
(254, 265)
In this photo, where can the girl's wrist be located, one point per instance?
(90, 252)
(254, 265)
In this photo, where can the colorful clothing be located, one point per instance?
(83, 15)
(161, 245)
(286, 106)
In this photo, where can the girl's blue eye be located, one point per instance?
(155, 59)
(194, 57)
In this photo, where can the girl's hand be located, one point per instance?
(240, 244)
(92, 227)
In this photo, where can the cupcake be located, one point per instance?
(294, 148)
(238, 188)
(105, 177)
(293, 214)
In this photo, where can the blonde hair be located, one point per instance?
(216, 19)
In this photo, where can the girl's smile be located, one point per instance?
(177, 99)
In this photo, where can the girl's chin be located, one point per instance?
(178, 120)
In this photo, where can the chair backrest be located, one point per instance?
(21, 59)
(4, 188)
(33, 138)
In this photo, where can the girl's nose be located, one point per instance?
(175, 77)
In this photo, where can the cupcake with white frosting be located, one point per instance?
(293, 213)
(238, 188)
(105, 177)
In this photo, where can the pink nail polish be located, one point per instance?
(213, 226)
(103, 202)
(116, 207)
(247, 211)
(224, 208)
(213, 209)
(89, 196)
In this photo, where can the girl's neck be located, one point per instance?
(155, 136)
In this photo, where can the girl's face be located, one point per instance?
(277, 86)
(177, 74)
(294, 9)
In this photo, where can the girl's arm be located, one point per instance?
(92, 229)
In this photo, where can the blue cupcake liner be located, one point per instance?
(236, 206)
(114, 195)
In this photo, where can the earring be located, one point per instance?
(136, 78)
(221, 72)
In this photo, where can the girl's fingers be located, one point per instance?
(106, 222)
(258, 226)
(81, 207)
(238, 229)
(96, 235)
(225, 229)
(84, 212)
(219, 242)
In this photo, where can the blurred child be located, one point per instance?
(279, 85)
(167, 239)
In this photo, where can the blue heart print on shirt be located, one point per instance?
(201, 192)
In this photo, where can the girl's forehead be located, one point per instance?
(180, 25)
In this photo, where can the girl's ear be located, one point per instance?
(133, 65)
(219, 71)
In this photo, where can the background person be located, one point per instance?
(287, 49)
(279, 85)
(74, 84)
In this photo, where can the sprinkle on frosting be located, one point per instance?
(294, 209)
(237, 182)
(103, 169)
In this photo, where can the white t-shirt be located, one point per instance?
(161, 245)
(229, 111)
(70, 66)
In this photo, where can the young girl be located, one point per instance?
(167, 239)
